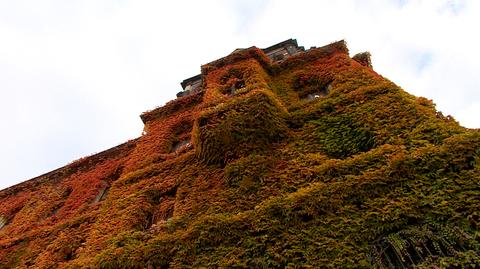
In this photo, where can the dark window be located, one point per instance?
(278, 57)
(180, 145)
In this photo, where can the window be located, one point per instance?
(3, 222)
(102, 193)
(181, 145)
(278, 57)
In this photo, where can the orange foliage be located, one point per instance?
(249, 172)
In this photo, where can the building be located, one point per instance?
(276, 53)
(283, 50)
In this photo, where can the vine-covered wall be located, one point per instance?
(316, 161)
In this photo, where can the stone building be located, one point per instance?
(276, 53)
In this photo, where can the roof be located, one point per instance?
(185, 82)
(282, 44)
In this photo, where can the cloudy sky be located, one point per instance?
(75, 75)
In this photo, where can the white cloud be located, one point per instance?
(75, 75)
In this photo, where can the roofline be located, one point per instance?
(290, 41)
(191, 79)
(281, 44)
(70, 168)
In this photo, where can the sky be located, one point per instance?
(76, 75)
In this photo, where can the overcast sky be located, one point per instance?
(75, 75)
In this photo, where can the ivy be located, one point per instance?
(364, 176)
